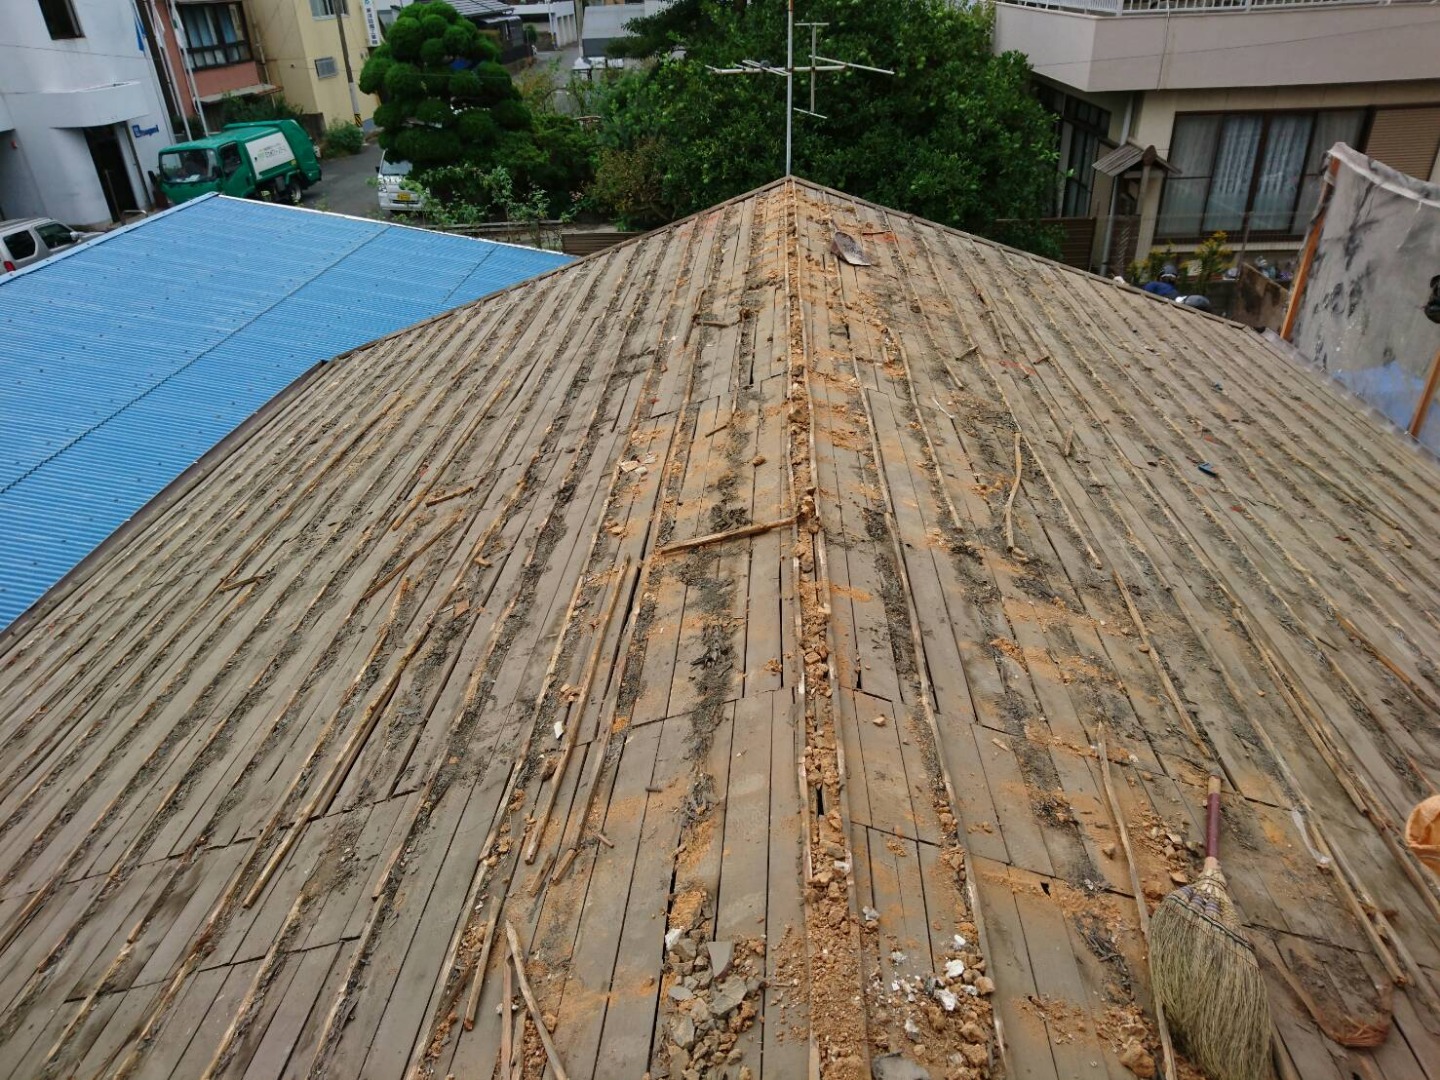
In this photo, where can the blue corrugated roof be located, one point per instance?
(125, 360)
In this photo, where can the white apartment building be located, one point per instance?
(82, 115)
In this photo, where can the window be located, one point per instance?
(325, 67)
(325, 9)
(1081, 128)
(21, 245)
(60, 19)
(1255, 172)
(55, 235)
(188, 166)
(215, 35)
(230, 159)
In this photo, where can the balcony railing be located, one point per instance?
(1166, 7)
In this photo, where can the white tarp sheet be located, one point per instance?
(1361, 316)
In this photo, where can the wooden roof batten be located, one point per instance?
(733, 656)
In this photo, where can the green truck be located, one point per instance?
(273, 159)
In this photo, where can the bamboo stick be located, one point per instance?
(507, 992)
(535, 1013)
(1166, 1046)
(730, 534)
(1422, 407)
(1010, 502)
(1307, 257)
(436, 500)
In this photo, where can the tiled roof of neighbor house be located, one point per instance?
(751, 637)
(125, 360)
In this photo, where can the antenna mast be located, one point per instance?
(817, 64)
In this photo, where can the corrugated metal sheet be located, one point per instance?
(122, 362)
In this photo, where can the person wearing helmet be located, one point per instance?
(1165, 285)
(1195, 300)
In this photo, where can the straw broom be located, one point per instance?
(1205, 972)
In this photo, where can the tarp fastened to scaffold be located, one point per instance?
(1361, 314)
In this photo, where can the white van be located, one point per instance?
(393, 194)
(29, 240)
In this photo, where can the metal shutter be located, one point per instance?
(1406, 139)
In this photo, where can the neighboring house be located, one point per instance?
(601, 24)
(127, 359)
(300, 41)
(82, 111)
(1220, 111)
(209, 54)
(500, 23)
(554, 20)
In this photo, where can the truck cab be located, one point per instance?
(274, 160)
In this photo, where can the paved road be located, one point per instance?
(346, 187)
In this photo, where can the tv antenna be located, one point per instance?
(817, 64)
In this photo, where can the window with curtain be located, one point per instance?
(324, 9)
(214, 34)
(1257, 170)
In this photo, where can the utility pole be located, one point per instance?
(817, 63)
(341, 6)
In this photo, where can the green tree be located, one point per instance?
(955, 136)
(445, 98)
(446, 101)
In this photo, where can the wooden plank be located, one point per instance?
(977, 807)
(193, 1005)
(168, 939)
(589, 980)
(741, 902)
(1027, 1042)
(293, 1007)
(630, 1012)
(421, 933)
(212, 1026)
(782, 1053)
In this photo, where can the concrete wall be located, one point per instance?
(1293, 47)
(52, 89)
(605, 22)
(293, 39)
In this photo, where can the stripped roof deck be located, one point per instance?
(419, 659)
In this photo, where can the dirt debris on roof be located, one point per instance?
(819, 786)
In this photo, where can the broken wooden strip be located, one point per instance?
(529, 996)
(436, 500)
(1010, 501)
(572, 732)
(507, 994)
(729, 534)
(1065, 506)
(405, 562)
(230, 586)
(1167, 1047)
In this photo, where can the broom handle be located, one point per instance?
(1212, 824)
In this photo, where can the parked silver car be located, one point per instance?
(390, 181)
(29, 240)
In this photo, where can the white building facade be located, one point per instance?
(82, 115)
